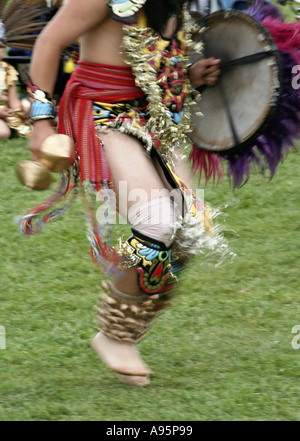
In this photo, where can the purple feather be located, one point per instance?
(259, 10)
(271, 147)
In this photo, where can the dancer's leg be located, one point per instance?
(4, 130)
(128, 162)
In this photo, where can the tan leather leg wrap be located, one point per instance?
(126, 318)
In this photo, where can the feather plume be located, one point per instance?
(271, 148)
(22, 21)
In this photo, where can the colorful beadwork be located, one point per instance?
(125, 9)
(153, 263)
(159, 66)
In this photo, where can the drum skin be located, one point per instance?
(242, 103)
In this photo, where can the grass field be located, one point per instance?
(223, 351)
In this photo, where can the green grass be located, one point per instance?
(221, 352)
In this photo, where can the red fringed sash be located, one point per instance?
(89, 83)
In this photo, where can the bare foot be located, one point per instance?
(121, 357)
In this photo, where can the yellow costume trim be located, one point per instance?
(143, 48)
(9, 78)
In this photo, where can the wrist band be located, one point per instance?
(42, 107)
(40, 110)
(188, 66)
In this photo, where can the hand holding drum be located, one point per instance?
(56, 155)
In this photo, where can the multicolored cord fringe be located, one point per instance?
(33, 221)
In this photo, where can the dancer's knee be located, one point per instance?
(154, 220)
(5, 131)
(149, 247)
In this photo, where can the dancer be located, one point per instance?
(13, 116)
(127, 108)
(19, 25)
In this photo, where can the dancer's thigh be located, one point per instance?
(132, 171)
(183, 170)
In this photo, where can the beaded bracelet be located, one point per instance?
(42, 107)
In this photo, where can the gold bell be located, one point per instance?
(57, 153)
(34, 175)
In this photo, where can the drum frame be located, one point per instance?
(276, 93)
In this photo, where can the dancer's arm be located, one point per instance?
(13, 100)
(71, 22)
